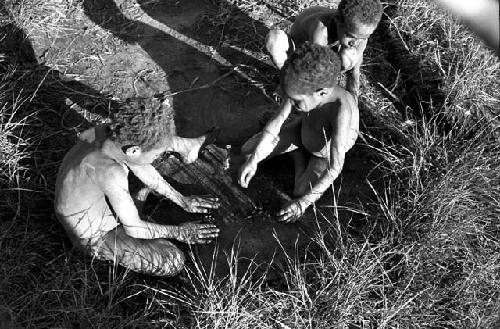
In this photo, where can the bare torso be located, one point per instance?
(80, 204)
(319, 124)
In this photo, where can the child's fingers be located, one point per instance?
(208, 231)
(211, 235)
(287, 215)
(246, 179)
(205, 202)
(204, 241)
(205, 226)
(208, 204)
(246, 175)
(283, 215)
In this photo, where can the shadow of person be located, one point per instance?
(191, 69)
(48, 109)
(223, 26)
(190, 57)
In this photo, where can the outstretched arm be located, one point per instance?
(113, 182)
(152, 179)
(353, 76)
(266, 145)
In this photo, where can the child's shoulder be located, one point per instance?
(342, 95)
(342, 100)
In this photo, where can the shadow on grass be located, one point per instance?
(43, 114)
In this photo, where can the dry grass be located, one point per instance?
(428, 259)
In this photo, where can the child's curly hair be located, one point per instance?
(367, 12)
(143, 123)
(309, 68)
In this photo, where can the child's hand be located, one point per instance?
(246, 173)
(291, 211)
(194, 232)
(199, 204)
(348, 58)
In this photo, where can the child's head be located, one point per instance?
(357, 19)
(140, 129)
(309, 75)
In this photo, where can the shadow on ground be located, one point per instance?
(167, 52)
(189, 57)
(177, 37)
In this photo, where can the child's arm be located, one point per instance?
(152, 179)
(353, 77)
(113, 182)
(340, 143)
(266, 145)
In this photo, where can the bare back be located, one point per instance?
(80, 204)
(311, 22)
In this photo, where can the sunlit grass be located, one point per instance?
(429, 256)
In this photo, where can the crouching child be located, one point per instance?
(96, 208)
(318, 138)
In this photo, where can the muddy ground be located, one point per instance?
(208, 57)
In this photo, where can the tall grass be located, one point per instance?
(429, 256)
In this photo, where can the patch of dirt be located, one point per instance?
(160, 48)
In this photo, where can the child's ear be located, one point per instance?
(322, 91)
(132, 150)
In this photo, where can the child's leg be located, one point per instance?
(303, 183)
(288, 140)
(157, 257)
(299, 157)
(188, 148)
(278, 43)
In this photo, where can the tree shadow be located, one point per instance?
(206, 88)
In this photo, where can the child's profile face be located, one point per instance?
(305, 102)
(351, 37)
(137, 156)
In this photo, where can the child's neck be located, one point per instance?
(112, 150)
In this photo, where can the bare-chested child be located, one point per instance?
(347, 29)
(96, 208)
(319, 138)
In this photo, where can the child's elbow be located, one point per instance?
(135, 232)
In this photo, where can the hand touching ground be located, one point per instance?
(196, 233)
(199, 204)
(292, 211)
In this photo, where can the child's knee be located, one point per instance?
(277, 44)
(173, 262)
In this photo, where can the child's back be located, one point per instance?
(316, 24)
(79, 200)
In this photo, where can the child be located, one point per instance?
(349, 27)
(96, 208)
(319, 138)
